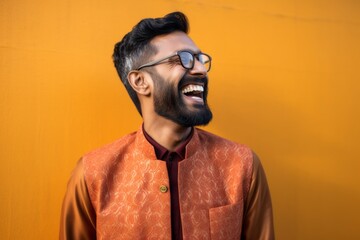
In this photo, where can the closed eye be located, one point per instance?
(174, 61)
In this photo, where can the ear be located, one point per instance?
(139, 82)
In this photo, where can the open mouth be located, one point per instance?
(194, 92)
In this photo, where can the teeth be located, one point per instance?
(192, 88)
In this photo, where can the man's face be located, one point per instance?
(179, 94)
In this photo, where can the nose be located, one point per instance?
(198, 69)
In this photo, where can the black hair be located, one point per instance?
(135, 48)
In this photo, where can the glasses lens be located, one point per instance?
(205, 60)
(187, 60)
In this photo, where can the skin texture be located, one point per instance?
(166, 132)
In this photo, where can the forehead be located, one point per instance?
(173, 42)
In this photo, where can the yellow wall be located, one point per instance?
(285, 80)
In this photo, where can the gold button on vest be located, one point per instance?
(163, 188)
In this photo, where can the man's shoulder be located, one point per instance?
(221, 146)
(113, 148)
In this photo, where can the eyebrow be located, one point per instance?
(189, 50)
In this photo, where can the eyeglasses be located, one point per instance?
(187, 60)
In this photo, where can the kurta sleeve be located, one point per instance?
(78, 218)
(258, 216)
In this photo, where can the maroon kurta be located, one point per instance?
(172, 160)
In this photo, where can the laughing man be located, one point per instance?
(168, 180)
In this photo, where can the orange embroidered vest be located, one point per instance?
(128, 188)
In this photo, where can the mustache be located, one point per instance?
(189, 79)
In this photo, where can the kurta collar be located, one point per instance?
(161, 151)
(144, 149)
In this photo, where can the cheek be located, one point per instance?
(172, 74)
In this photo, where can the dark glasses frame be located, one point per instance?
(194, 56)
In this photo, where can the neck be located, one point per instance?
(167, 133)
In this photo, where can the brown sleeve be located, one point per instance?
(258, 216)
(78, 218)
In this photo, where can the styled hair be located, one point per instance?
(135, 48)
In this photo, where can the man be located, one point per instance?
(168, 180)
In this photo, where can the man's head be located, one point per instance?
(159, 55)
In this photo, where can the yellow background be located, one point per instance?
(285, 80)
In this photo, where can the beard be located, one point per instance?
(169, 102)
